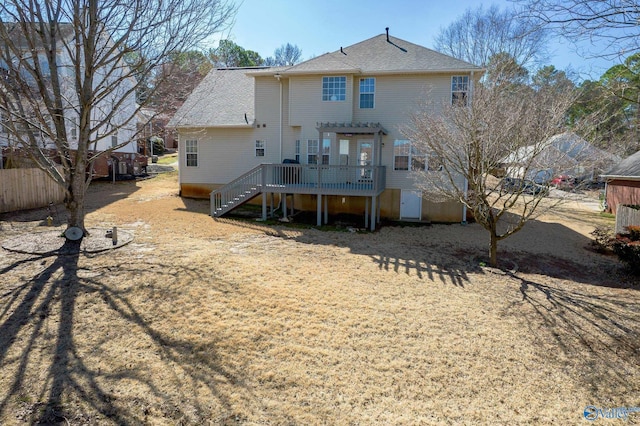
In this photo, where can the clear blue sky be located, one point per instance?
(317, 27)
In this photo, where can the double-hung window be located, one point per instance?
(334, 88)
(407, 157)
(259, 148)
(367, 92)
(459, 90)
(114, 140)
(298, 150)
(191, 151)
(312, 151)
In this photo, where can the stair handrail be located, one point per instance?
(221, 197)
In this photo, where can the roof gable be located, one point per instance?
(629, 167)
(383, 54)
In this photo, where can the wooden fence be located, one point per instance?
(27, 189)
(625, 216)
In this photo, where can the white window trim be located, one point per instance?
(345, 88)
(373, 106)
(326, 143)
(465, 91)
(260, 145)
(412, 157)
(312, 151)
(297, 151)
(193, 152)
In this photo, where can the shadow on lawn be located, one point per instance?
(597, 334)
(99, 194)
(27, 311)
(449, 253)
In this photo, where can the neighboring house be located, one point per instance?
(563, 154)
(623, 183)
(123, 160)
(338, 115)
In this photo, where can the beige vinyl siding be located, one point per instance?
(224, 154)
(267, 97)
(306, 104)
(396, 98)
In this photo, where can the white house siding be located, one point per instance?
(103, 78)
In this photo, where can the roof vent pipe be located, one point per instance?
(342, 51)
(387, 29)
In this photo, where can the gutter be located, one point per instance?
(382, 72)
(620, 177)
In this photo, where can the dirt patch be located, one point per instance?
(221, 321)
(54, 242)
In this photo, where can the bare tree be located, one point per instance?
(482, 33)
(287, 54)
(614, 22)
(69, 81)
(502, 125)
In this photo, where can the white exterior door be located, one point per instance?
(410, 204)
(365, 158)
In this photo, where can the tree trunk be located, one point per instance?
(493, 250)
(74, 199)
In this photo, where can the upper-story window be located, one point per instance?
(367, 92)
(334, 88)
(459, 90)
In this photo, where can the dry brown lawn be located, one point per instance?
(203, 321)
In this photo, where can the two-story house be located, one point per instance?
(114, 130)
(327, 132)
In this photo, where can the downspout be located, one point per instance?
(466, 182)
(464, 206)
(278, 76)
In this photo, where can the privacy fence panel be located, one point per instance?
(627, 216)
(27, 189)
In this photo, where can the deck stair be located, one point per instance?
(237, 192)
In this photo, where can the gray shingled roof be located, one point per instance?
(222, 98)
(377, 55)
(225, 95)
(629, 167)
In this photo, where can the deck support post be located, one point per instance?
(319, 211)
(326, 210)
(378, 215)
(374, 209)
(272, 204)
(283, 199)
(366, 212)
(264, 206)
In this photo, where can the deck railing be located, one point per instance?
(325, 179)
(299, 179)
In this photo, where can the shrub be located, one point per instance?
(628, 251)
(634, 232)
(603, 239)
